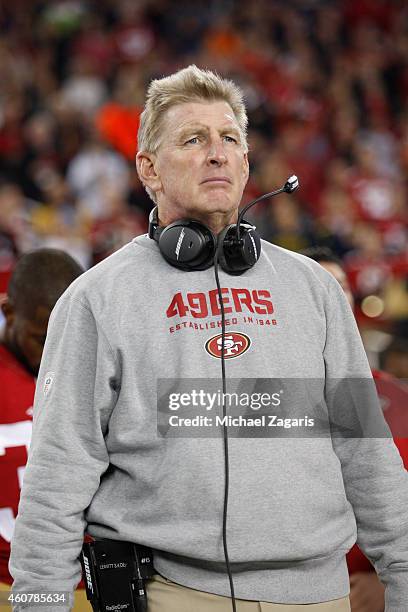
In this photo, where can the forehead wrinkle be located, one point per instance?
(199, 128)
(193, 127)
(192, 123)
(175, 132)
(230, 128)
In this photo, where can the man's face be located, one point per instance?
(201, 166)
(25, 337)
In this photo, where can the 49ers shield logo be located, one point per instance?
(235, 344)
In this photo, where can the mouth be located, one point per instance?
(214, 180)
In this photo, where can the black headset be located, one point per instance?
(190, 245)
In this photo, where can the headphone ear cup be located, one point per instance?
(224, 238)
(188, 245)
(235, 256)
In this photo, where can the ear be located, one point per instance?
(8, 311)
(246, 168)
(146, 170)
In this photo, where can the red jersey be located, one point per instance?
(394, 400)
(17, 388)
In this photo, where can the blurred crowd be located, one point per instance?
(326, 87)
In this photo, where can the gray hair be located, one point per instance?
(188, 85)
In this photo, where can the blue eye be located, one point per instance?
(230, 139)
(193, 140)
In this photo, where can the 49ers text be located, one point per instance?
(201, 305)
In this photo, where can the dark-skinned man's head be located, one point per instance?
(38, 280)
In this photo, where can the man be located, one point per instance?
(97, 460)
(38, 280)
(366, 590)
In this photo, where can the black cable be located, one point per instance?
(291, 184)
(225, 433)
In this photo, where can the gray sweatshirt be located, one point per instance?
(296, 506)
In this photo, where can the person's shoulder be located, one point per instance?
(117, 273)
(100, 277)
(6, 357)
(10, 365)
(287, 256)
(107, 266)
(296, 264)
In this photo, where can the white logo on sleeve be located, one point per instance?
(48, 380)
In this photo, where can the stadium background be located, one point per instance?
(326, 86)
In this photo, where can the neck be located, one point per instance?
(14, 349)
(215, 221)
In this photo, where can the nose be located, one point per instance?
(216, 153)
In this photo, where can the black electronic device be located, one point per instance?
(190, 245)
(115, 573)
